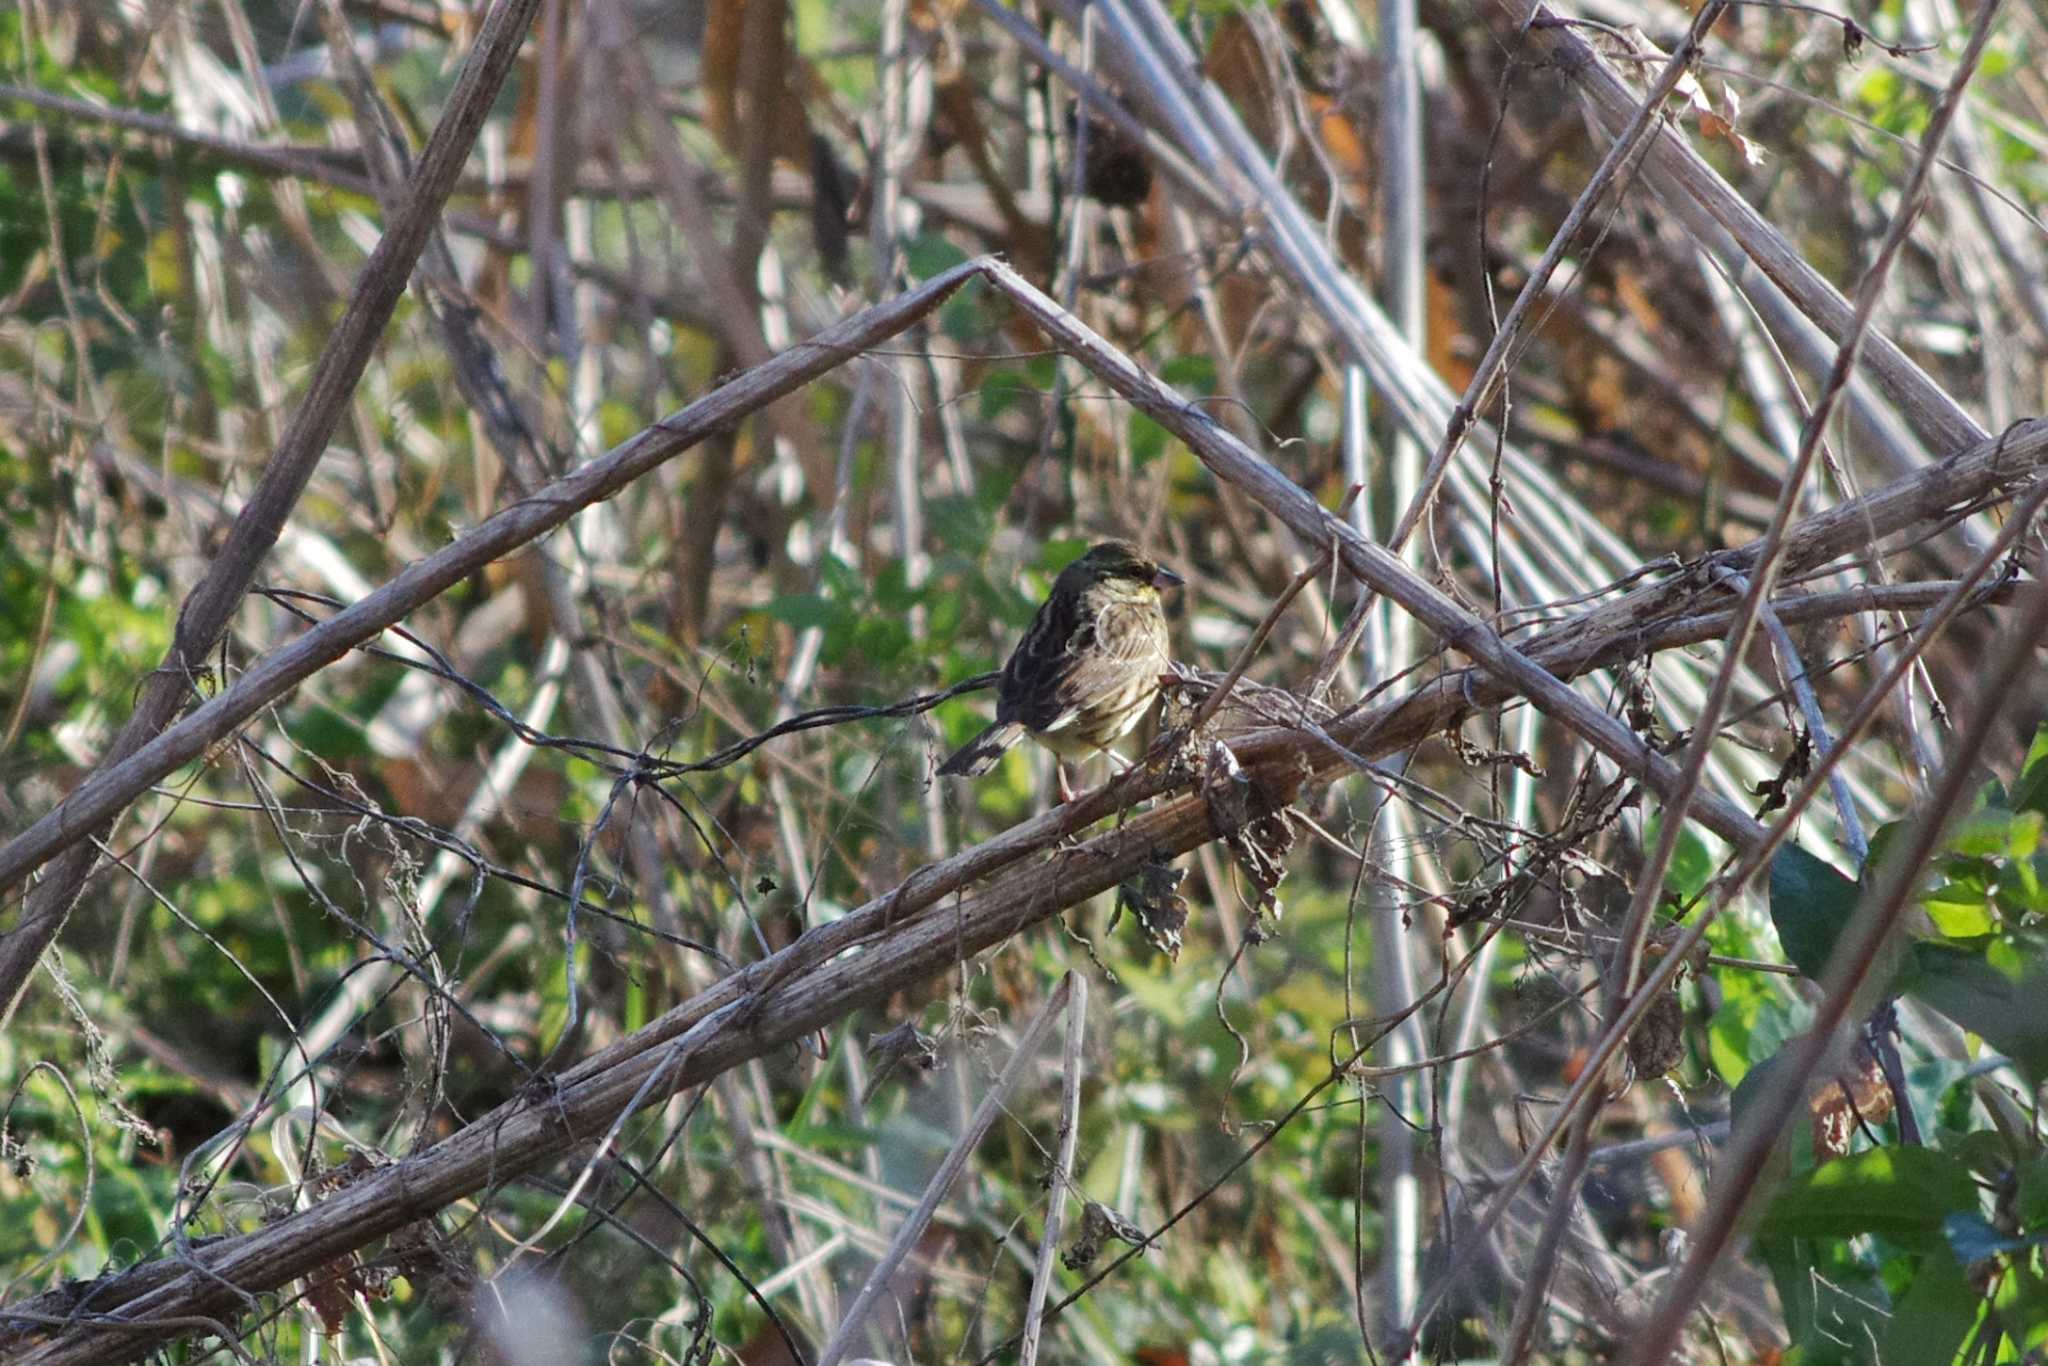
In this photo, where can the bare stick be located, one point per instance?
(1159, 70)
(1215, 700)
(1234, 462)
(112, 787)
(210, 605)
(949, 1170)
(1492, 371)
(1801, 686)
(814, 980)
(1875, 921)
(1650, 879)
(1105, 107)
(1605, 633)
(817, 981)
(1676, 171)
(1752, 863)
(1062, 1172)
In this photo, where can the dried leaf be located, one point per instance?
(1098, 1223)
(906, 1043)
(1657, 1044)
(729, 108)
(1154, 898)
(1840, 1102)
(1262, 846)
(1720, 124)
(1226, 788)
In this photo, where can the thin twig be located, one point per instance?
(1237, 464)
(1650, 879)
(1871, 927)
(1309, 574)
(207, 609)
(1492, 370)
(1062, 1171)
(816, 980)
(1752, 863)
(955, 1162)
(112, 786)
(1682, 177)
(1797, 679)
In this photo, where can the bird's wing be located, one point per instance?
(1068, 658)
(1032, 673)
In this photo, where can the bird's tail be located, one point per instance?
(979, 755)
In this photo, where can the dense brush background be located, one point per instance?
(344, 935)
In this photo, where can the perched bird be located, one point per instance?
(1087, 668)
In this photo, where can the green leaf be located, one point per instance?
(1881, 842)
(1961, 909)
(805, 610)
(1810, 903)
(1191, 374)
(1057, 554)
(1994, 833)
(2021, 1303)
(1995, 987)
(2032, 1205)
(1692, 863)
(930, 254)
(1742, 1108)
(1148, 440)
(1905, 1194)
(2019, 888)
(1755, 1019)
(2030, 793)
(959, 523)
(1830, 1300)
(1934, 1314)
(881, 642)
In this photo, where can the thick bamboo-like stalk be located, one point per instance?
(1062, 1172)
(1674, 169)
(920, 1217)
(213, 602)
(1877, 920)
(1756, 589)
(1562, 551)
(929, 922)
(113, 786)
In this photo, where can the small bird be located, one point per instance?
(1087, 668)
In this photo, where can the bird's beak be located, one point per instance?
(1163, 578)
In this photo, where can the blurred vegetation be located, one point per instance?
(199, 1054)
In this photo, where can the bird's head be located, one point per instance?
(1121, 566)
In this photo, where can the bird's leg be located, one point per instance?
(1059, 773)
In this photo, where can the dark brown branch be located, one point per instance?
(113, 786)
(902, 935)
(1682, 177)
(212, 603)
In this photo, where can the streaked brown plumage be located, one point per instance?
(1087, 667)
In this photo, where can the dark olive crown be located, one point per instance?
(1119, 560)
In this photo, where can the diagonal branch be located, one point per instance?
(1856, 961)
(930, 921)
(1649, 890)
(920, 1218)
(1235, 463)
(112, 787)
(212, 603)
(1678, 173)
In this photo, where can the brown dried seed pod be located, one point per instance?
(1657, 1044)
